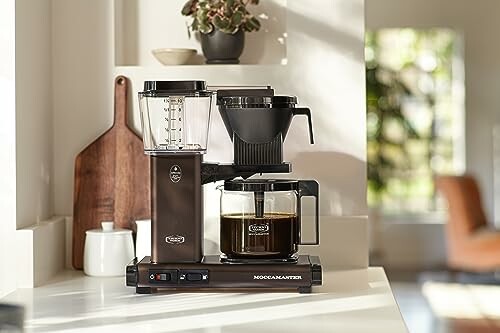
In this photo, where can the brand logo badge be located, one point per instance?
(277, 277)
(258, 229)
(174, 239)
(175, 173)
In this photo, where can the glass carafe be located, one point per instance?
(261, 219)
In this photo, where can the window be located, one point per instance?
(415, 116)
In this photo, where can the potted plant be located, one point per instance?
(222, 25)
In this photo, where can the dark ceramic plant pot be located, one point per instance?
(222, 48)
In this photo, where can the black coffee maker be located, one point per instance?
(260, 218)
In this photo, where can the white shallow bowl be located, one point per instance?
(173, 56)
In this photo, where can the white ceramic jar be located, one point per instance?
(107, 251)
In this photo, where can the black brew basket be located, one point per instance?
(257, 123)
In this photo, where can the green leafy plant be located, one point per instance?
(386, 153)
(384, 91)
(228, 16)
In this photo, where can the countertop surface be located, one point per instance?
(348, 301)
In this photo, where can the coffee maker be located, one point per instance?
(260, 223)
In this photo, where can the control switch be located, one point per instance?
(193, 276)
(163, 276)
(197, 276)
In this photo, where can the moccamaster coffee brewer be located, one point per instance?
(260, 224)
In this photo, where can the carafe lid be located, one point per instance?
(261, 185)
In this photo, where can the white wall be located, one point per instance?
(479, 23)
(7, 146)
(412, 245)
(325, 69)
(33, 111)
(82, 85)
(34, 252)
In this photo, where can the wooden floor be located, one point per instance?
(445, 307)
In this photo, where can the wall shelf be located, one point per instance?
(199, 66)
(141, 26)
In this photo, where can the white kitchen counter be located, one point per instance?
(348, 301)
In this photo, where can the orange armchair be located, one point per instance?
(471, 244)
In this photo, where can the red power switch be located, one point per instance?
(162, 276)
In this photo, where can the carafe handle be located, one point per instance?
(307, 112)
(308, 188)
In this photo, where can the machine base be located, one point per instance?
(212, 275)
(291, 260)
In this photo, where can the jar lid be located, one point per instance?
(108, 233)
(261, 185)
(108, 229)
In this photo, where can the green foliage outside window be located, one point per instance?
(410, 116)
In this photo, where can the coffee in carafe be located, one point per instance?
(260, 218)
(273, 236)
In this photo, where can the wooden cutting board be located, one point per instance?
(111, 178)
